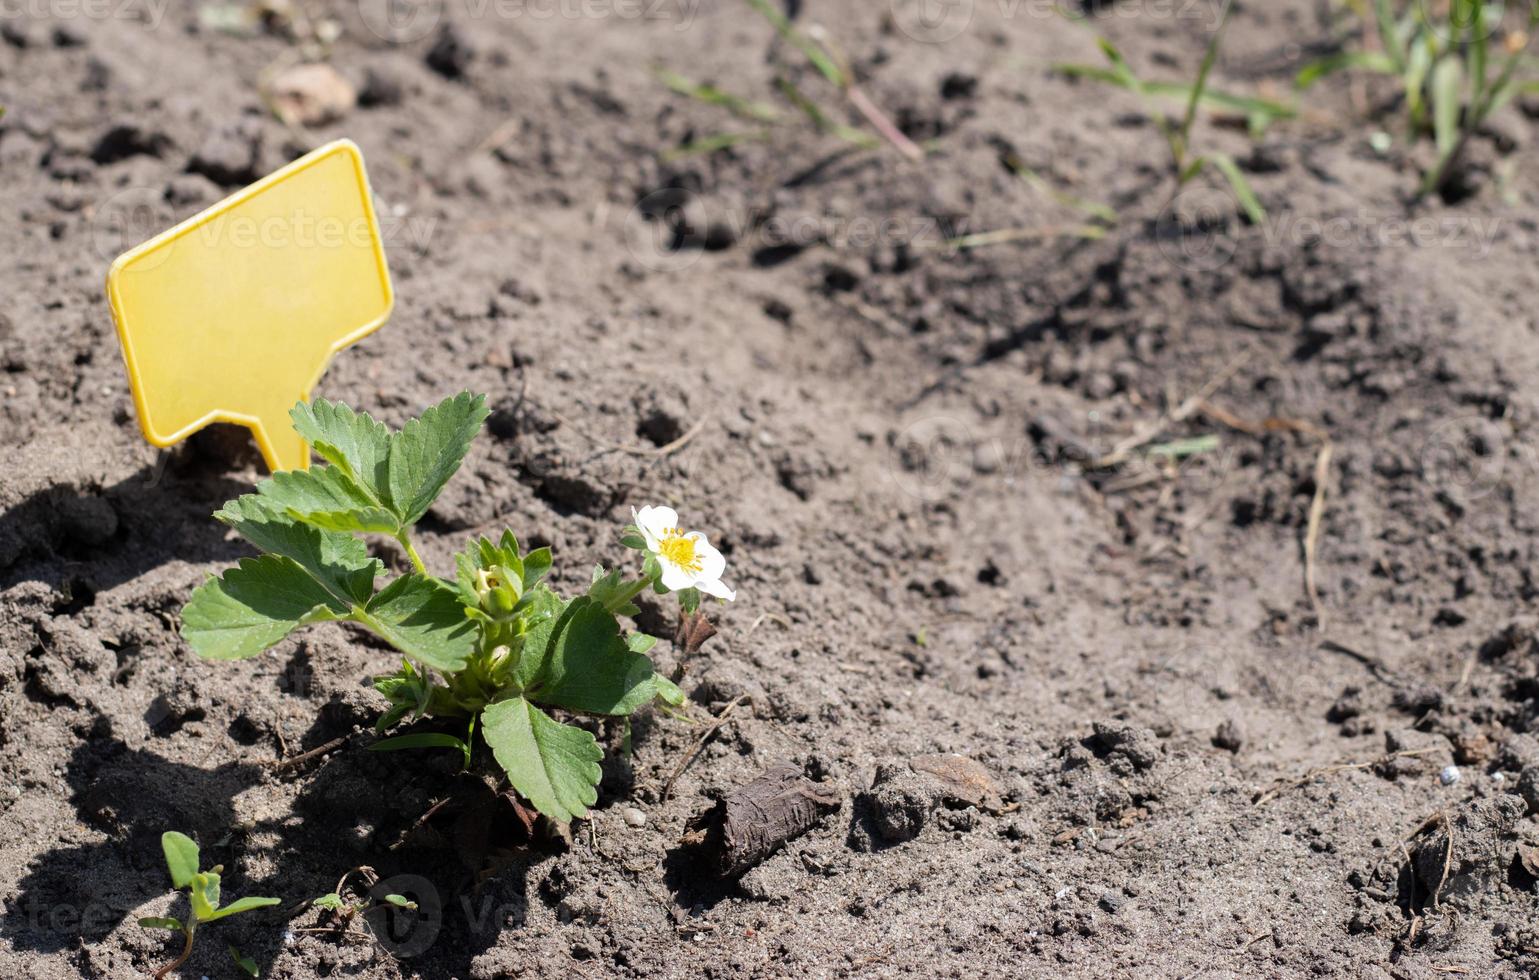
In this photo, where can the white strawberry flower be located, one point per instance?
(687, 559)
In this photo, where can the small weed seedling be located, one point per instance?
(1444, 67)
(1186, 165)
(203, 896)
(490, 651)
(822, 55)
(343, 908)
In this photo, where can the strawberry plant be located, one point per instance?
(182, 860)
(492, 651)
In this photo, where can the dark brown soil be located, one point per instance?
(1190, 769)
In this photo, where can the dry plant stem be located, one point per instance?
(1199, 403)
(694, 751)
(1004, 236)
(667, 450)
(1322, 479)
(1448, 854)
(1122, 450)
(304, 757)
(1314, 774)
(883, 125)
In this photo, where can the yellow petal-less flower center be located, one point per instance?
(679, 550)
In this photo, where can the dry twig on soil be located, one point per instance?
(710, 733)
(1280, 787)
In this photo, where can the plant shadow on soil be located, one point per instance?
(84, 540)
(81, 894)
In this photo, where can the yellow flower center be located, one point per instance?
(679, 550)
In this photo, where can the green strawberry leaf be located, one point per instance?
(253, 606)
(240, 905)
(339, 562)
(181, 857)
(611, 591)
(353, 442)
(327, 498)
(580, 662)
(554, 766)
(423, 618)
(427, 452)
(536, 567)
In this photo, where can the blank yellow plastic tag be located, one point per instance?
(233, 315)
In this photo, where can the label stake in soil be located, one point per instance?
(233, 315)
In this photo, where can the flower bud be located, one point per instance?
(498, 590)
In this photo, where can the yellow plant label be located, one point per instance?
(233, 315)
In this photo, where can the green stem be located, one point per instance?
(632, 590)
(411, 552)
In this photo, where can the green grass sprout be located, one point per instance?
(827, 64)
(1446, 69)
(1185, 165)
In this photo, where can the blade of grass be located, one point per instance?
(711, 95)
(1511, 90)
(1242, 189)
(1122, 74)
(1477, 114)
(1476, 54)
(840, 79)
(1248, 104)
(1208, 58)
(1417, 67)
(1389, 32)
(1375, 61)
(1181, 448)
(1447, 87)
(1037, 183)
(815, 54)
(820, 119)
(1004, 235)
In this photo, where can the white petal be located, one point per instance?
(674, 577)
(647, 536)
(655, 522)
(716, 588)
(712, 564)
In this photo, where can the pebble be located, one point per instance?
(1449, 775)
(311, 95)
(634, 817)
